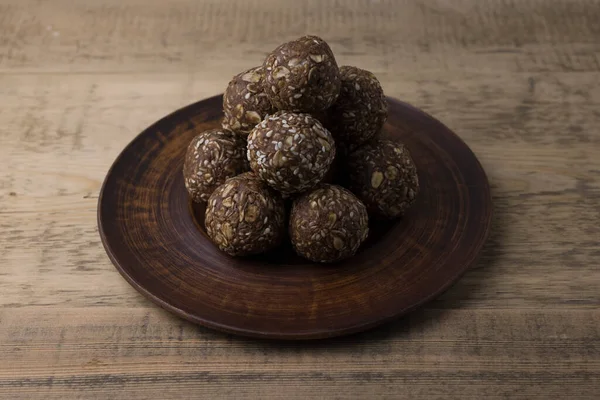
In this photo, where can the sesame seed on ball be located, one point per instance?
(360, 110)
(211, 158)
(291, 152)
(384, 177)
(244, 103)
(245, 216)
(302, 75)
(328, 224)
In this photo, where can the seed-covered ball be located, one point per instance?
(384, 177)
(291, 152)
(244, 216)
(244, 103)
(302, 75)
(360, 110)
(211, 158)
(328, 224)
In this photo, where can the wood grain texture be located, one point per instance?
(462, 354)
(517, 80)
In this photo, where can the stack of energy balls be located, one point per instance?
(285, 123)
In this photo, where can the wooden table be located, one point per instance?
(519, 81)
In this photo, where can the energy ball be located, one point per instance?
(360, 110)
(291, 152)
(384, 177)
(302, 75)
(211, 158)
(244, 102)
(244, 216)
(328, 224)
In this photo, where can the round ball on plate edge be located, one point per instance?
(244, 216)
(328, 224)
(384, 177)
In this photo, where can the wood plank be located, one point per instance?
(382, 35)
(133, 353)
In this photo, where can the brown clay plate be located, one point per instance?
(155, 238)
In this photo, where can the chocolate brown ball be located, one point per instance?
(211, 158)
(302, 75)
(328, 224)
(244, 103)
(291, 152)
(384, 177)
(244, 216)
(360, 110)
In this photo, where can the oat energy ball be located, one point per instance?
(328, 224)
(244, 102)
(360, 110)
(302, 75)
(211, 158)
(384, 177)
(245, 216)
(291, 152)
